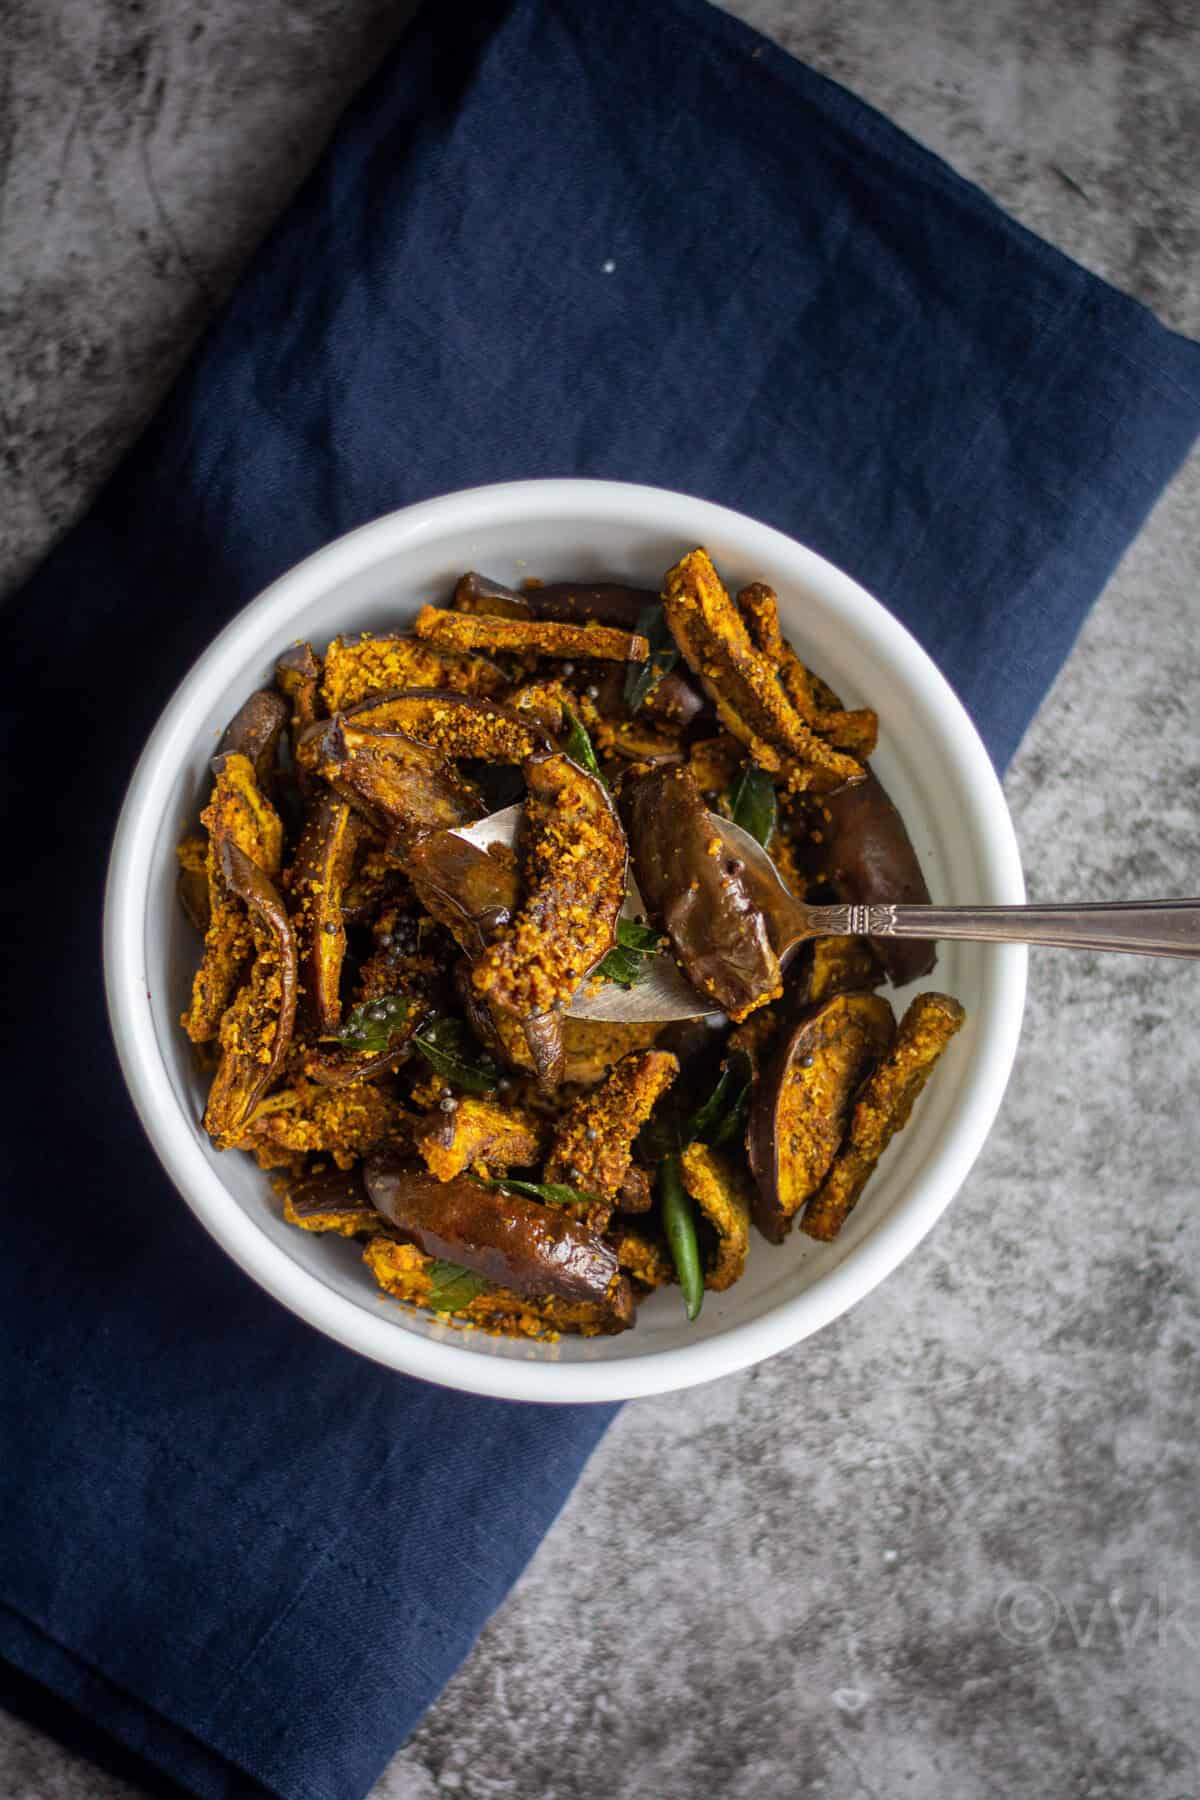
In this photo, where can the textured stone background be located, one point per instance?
(946, 1549)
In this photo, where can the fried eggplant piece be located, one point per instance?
(407, 1274)
(742, 684)
(484, 598)
(478, 1130)
(306, 1120)
(191, 884)
(697, 892)
(237, 813)
(802, 1102)
(324, 859)
(298, 676)
(636, 1193)
(645, 1258)
(459, 725)
(715, 763)
(467, 632)
(573, 865)
(335, 1201)
(592, 1146)
(519, 1244)
(403, 788)
(724, 1198)
(866, 852)
(254, 731)
(374, 882)
(884, 1104)
(356, 668)
(589, 603)
(640, 740)
(856, 732)
(472, 892)
(841, 965)
(675, 700)
(593, 1046)
(256, 1029)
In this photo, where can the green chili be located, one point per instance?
(679, 1223)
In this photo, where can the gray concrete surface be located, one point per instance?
(948, 1548)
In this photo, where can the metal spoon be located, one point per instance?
(1142, 928)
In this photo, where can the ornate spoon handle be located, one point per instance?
(1145, 928)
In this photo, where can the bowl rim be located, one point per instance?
(126, 901)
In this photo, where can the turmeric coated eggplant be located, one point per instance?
(240, 814)
(403, 788)
(256, 1030)
(882, 1108)
(573, 865)
(324, 859)
(389, 1001)
(521, 1245)
(697, 892)
(802, 1103)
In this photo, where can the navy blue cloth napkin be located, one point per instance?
(551, 238)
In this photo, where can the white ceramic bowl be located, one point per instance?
(929, 758)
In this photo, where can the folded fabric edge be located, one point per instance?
(57, 1692)
(897, 144)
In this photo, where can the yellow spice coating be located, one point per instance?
(247, 1037)
(574, 873)
(478, 1131)
(356, 668)
(307, 1119)
(593, 1142)
(642, 1256)
(530, 637)
(818, 1088)
(723, 1193)
(404, 1272)
(841, 964)
(882, 1108)
(483, 732)
(817, 704)
(742, 682)
(239, 811)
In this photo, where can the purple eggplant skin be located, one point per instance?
(254, 731)
(802, 1101)
(403, 788)
(519, 1244)
(701, 900)
(870, 861)
(676, 699)
(564, 602)
(471, 892)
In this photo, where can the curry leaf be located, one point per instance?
(752, 803)
(556, 1192)
(579, 746)
(453, 1287)
(721, 1116)
(372, 1026)
(626, 963)
(640, 678)
(447, 1047)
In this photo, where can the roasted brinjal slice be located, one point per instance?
(865, 851)
(803, 1099)
(323, 862)
(238, 813)
(882, 1108)
(478, 1130)
(724, 1197)
(528, 637)
(256, 1029)
(357, 667)
(459, 725)
(334, 1201)
(520, 1245)
(403, 787)
(573, 863)
(592, 1148)
(743, 684)
(698, 892)
(254, 732)
(471, 891)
